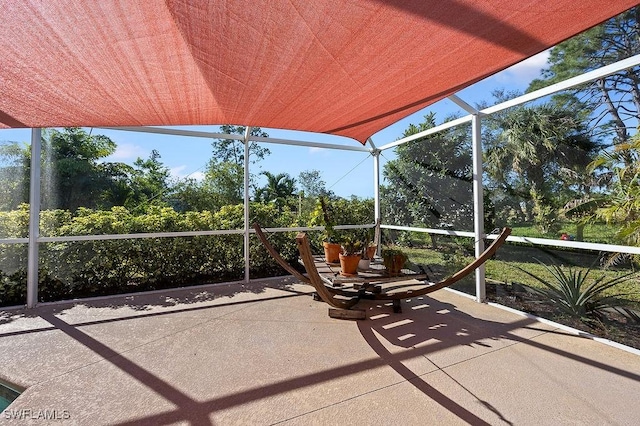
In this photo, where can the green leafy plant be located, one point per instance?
(388, 252)
(351, 246)
(576, 293)
(323, 215)
(394, 259)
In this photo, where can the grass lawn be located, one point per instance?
(503, 277)
(593, 232)
(440, 263)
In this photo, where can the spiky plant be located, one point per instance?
(575, 293)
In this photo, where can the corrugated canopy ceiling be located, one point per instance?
(345, 67)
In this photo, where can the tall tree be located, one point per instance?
(225, 182)
(14, 174)
(311, 186)
(224, 175)
(73, 176)
(279, 189)
(613, 100)
(149, 181)
(311, 183)
(232, 150)
(621, 205)
(537, 155)
(429, 183)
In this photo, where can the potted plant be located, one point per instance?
(350, 256)
(329, 243)
(394, 260)
(368, 251)
(370, 245)
(365, 260)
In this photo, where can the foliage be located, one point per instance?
(429, 183)
(331, 212)
(576, 294)
(149, 182)
(535, 159)
(323, 216)
(311, 186)
(232, 150)
(93, 268)
(350, 245)
(225, 183)
(389, 252)
(394, 259)
(311, 183)
(224, 174)
(75, 174)
(72, 173)
(614, 97)
(279, 190)
(14, 174)
(621, 204)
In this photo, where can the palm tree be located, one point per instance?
(622, 203)
(279, 188)
(536, 154)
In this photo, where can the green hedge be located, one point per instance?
(95, 268)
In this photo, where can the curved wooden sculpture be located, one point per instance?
(346, 298)
(431, 287)
(401, 290)
(276, 256)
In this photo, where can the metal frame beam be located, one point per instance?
(34, 218)
(478, 203)
(247, 260)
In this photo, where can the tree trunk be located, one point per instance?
(621, 130)
(580, 232)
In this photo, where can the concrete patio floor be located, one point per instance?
(268, 354)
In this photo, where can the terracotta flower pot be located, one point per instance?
(394, 264)
(349, 264)
(371, 251)
(331, 252)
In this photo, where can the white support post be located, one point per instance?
(247, 261)
(478, 204)
(376, 196)
(34, 218)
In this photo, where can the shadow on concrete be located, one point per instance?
(427, 326)
(169, 298)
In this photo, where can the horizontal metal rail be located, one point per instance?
(217, 135)
(612, 248)
(14, 240)
(177, 234)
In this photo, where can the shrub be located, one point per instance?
(575, 293)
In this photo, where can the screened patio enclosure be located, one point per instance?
(474, 228)
(296, 66)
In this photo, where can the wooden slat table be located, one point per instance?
(366, 281)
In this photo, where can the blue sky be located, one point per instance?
(344, 172)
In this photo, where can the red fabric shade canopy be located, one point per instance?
(348, 67)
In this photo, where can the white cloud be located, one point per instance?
(316, 150)
(127, 151)
(179, 172)
(524, 71)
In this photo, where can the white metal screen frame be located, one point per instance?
(474, 117)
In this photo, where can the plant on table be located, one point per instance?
(330, 242)
(350, 255)
(394, 260)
